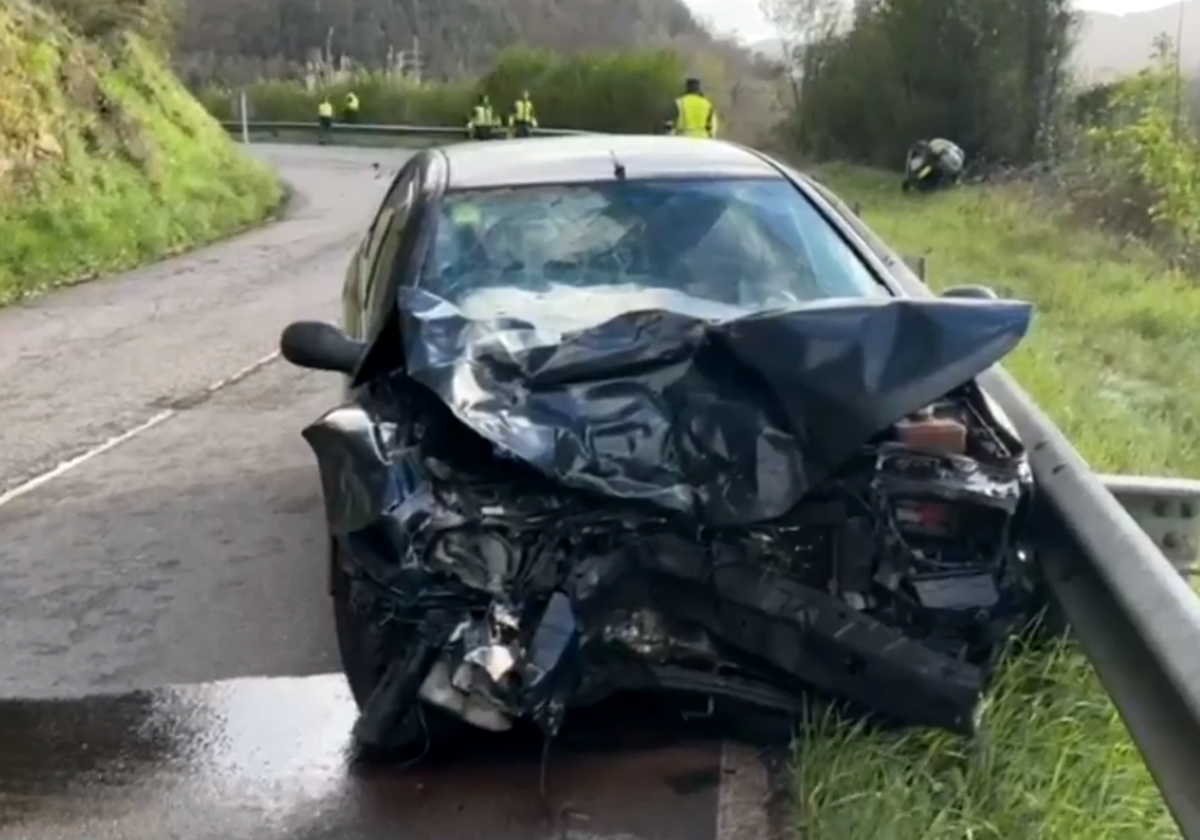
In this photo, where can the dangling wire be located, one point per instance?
(545, 764)
(420, 711)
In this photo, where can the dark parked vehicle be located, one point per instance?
(653, 413)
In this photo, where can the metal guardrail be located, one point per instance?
(1135, 616)
(1132, 612)
(1166, 509)
(248, 127)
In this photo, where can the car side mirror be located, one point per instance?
(971, 292)
(316, 345)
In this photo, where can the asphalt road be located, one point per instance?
(165, 625)
(191, 551)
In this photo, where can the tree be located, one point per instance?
(798, 23)
(988, 73)
(457, 37)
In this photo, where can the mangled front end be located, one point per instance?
(744, 509)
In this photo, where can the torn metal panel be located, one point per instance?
(745, 508)
(730, 419)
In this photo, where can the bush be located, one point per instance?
(613, 91)
(617, 91)
(384, 98)
(1138, 166)
(993, 83)
(153, 19)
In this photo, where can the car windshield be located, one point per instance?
(740, 244)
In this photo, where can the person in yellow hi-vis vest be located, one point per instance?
(522, 121)
(482, 123)
(695, 115)
(324, 121)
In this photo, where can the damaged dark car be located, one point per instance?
(629, 414)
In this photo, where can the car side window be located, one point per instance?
(356, 288)
(387, 236)
(370, 243)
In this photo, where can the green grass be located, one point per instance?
(106, 162)
(1111, 359)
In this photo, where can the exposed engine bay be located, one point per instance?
(502, 590)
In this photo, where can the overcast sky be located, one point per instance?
(742, 17)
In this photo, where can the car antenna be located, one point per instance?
(618, 167)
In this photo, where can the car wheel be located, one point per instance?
(364, 661)
(358, 647)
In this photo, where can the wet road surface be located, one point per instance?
(160, 526)
(268, 759)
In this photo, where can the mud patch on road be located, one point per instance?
(262, 758)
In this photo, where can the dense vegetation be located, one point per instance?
(629, 90)
(1138, 167)
(1122, 155)
(390, 45)
(994, 82)
(620, 90)
(105, 160)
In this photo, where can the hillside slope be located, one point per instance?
(1116, 45)
(105, 160)
(454, 37)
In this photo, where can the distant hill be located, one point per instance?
(455, 37)
(1109, 45)
(1117, 45)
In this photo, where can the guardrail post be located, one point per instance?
(1168, 510)
(917, 265)
(245, 117)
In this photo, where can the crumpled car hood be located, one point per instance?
(726, 416)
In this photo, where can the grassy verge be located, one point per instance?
(106, 162)
(1110, 358)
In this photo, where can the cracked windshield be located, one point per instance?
(599, 419)
(590, 250)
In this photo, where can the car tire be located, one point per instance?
(364, 662)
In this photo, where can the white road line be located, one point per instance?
(64, 467)
(743, 795)
(239, 375)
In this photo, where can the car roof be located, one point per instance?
(593, 157)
